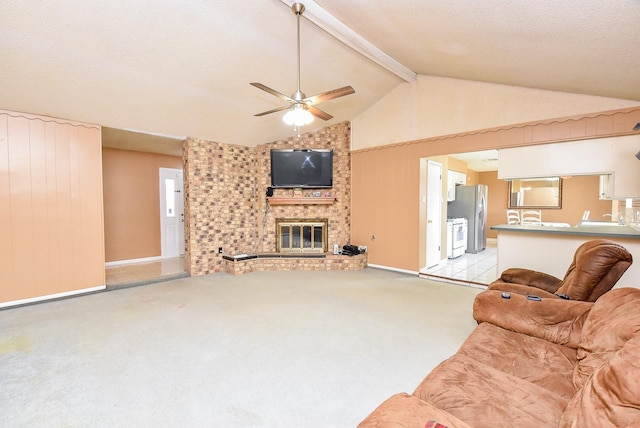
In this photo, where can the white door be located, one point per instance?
(434, 213)
(171, 213)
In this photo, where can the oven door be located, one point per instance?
(464, 236)
(459, 239)
(458, 235)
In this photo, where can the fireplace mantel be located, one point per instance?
(300, 200)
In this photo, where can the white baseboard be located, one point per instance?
(412, 272)
(128, 262)
(52, 296)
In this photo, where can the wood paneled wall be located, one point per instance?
(386, 180)
(51, 224)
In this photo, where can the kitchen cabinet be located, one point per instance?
(454, 178)
(613, 157)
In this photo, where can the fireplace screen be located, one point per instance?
(301, 236)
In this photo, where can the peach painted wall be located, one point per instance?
(132, 202)
(51, 224)
(388, 178)
(454, 164)
(473, 177)
(579, 193)
(497, 200)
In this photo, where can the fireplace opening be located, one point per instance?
(301, 235)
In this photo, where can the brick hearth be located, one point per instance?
(267, 262)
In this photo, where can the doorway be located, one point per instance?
(171, 213)
(434, 214)
(466, 269)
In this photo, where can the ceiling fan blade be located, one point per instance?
(319, 113)
(329, 95)
(272, 91)
(273, 111)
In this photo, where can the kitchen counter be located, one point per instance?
(550, 249)
(602, 231)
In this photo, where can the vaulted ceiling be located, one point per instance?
(183, 68)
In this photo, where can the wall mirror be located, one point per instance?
(545, 192)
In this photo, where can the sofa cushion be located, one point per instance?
(611, 396)
(556, 320)
(407, 411)
(535, 360)
(613, 320)
(483, 396)
(597, 266)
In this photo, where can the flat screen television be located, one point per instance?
(306, 168)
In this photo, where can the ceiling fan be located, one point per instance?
(301, 108)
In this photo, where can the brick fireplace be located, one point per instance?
(226, 206)
(303, 236)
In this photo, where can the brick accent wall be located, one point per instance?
(336, 137)
(225, 197)
(220, 202)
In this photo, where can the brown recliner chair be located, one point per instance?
(597, 266)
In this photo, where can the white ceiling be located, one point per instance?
(182, 68)
(481, 161)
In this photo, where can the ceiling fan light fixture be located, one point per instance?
(302, 109)
(298, 116)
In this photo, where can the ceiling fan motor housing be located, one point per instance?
(298, 96)
(297, 8)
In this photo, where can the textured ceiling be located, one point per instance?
(183, 68)
(481, 161)
(587, 47)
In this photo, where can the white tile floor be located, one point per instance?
(470, 269)
(144, 272)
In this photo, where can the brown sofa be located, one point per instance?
(548, 363)
(596, 267)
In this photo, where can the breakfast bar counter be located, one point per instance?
(550, 249)
(610, 231)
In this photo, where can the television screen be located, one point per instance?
(302, 168)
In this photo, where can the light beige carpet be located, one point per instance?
(269, 349)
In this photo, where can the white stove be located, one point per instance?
(457, 240)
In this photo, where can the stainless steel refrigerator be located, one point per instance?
(471, 203)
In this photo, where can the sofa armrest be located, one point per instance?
(556, 320)
(521, 289)
(532, 278)
(408, 411)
